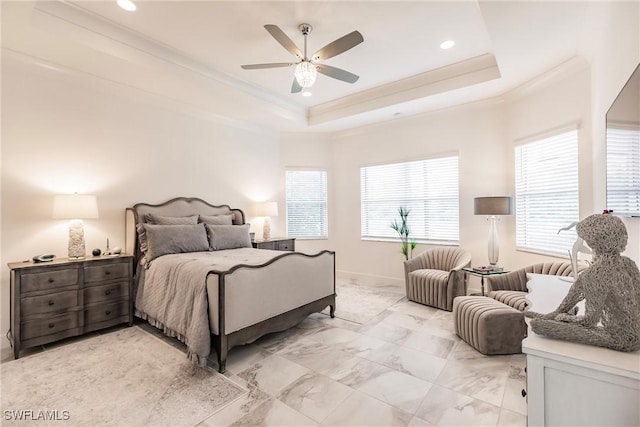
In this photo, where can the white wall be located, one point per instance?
(474, 132)
(63, 132)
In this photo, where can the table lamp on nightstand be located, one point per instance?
(266, 210)
(75, 207)
(492, 207)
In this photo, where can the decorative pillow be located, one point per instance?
(228, 236)
(217, 219)
(158, 240)
(170, 220)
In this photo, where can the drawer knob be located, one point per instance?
(108, 312)
(50, 302)
(106, 273)
(51, 280)
(107, 292)
(51, 325)
(524, 393)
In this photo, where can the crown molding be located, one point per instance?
(450, 77)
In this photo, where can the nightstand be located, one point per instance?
(68, 297)
(276, 244)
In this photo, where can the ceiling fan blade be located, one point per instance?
(283, 39)
(336, 47)
(272, 65)
(337, 73)
(295, 87)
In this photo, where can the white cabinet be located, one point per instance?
(572, 384)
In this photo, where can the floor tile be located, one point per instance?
(484, 379)
(272, 374)
(429, 343)
(407, 321)
(419, 422)
(362, 410)
(314, 395)
(416, 363)
(445, 407)
(387, 332)
(397, 389)
(409, 307)
(511, 419)
(274, 413)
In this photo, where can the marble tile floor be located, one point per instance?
(403, 366)
(387, 362)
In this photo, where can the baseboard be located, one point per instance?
(369, 279)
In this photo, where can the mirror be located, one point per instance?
(623, 150)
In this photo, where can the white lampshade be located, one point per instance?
(494, 205)
(75, 206)
(306, 74)
(265, 209)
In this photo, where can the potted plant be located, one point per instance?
(402, 228)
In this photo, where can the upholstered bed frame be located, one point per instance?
(248, 301)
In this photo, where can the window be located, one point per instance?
(428, 188)
(623, 170)
(306, 195)
(547, 193)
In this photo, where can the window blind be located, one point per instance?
(547, 193)
(623, 171)
(428, 188)
(306, 200)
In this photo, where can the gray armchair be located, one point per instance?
(435, 277)
(511, 288)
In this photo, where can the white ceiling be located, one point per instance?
(191, 52)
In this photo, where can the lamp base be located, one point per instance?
(76, 239)
(266, 228)
(494, 241)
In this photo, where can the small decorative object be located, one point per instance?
(116, 250)
(610, 287)
(96, 252)
(107, 251)
(402, 228)
(492, 207)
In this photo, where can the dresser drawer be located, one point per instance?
(112, 291)
(268, 245)
(286, 245)
(49, 280)
(100, 273)
(48, 303)
(102, 313)
(52, 325)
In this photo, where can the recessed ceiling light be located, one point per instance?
(447, 44)
(306, 93)
(127, 5)
(397, 113)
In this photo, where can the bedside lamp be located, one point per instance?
(75, 207)
(266, 210)
(492, 207)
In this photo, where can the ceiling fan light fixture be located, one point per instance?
(447, 44)
(306, 93)
(306, 74)
(127, 5)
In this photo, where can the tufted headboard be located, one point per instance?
(180, 206)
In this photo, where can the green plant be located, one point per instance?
(402, 228)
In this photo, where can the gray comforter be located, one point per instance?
(173, 296)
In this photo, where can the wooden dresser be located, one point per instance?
(68, 297)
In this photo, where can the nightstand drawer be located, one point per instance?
(49, 279)
(268, 245)
(52, 325)
(49, 303)
(285, 245)
(113, 291)
(102, 313)
(100, 273)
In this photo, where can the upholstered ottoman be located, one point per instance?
(489, 326)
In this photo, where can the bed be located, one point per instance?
(219, 292)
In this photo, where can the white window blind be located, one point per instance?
(547, 193)
(306, 199)
(428, 188)
(623, 171)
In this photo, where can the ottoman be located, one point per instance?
(489, 326)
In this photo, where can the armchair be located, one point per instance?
(511, 288)
(435, 277)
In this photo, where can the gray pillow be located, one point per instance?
(158, 240)
(228, 236)
(170, 220)
(217, 219)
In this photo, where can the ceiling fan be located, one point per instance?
(307, 67)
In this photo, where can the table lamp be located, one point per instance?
(75, 207)
(492, 207)
(266, 210)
